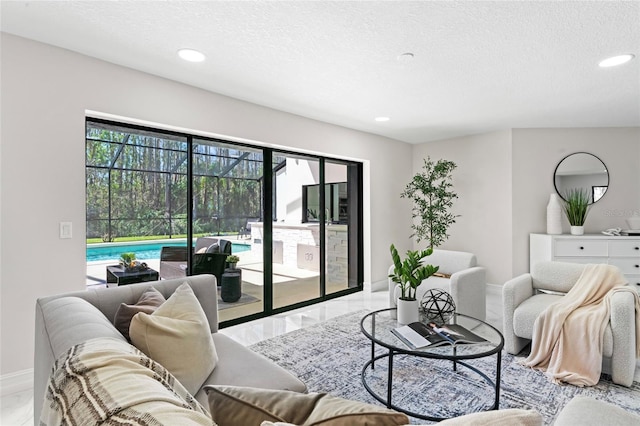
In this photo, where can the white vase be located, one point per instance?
(554, 215)
(407, 311)
(577, 230)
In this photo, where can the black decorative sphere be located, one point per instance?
(437, 305)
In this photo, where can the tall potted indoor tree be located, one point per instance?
(432, 196)
(409, 274)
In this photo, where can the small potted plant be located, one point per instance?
(232, 260)
(576, 207)
(409, 274)
(128, 260)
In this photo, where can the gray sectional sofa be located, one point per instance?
(65, 320)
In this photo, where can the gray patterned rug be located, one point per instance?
(329, 357)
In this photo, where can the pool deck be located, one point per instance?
(96, 270)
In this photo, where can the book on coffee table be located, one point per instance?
(419, 335)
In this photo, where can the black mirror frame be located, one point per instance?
(592, 193)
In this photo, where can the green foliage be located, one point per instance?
(410, 272)
(127, 259)
(432, 198)
(232, 258)
(576, 206)
(136, 185)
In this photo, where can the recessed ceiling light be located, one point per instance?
(191, 55)
(382, 119)
(616, 60)
(406, 57)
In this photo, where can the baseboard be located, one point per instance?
(381, 285)
(16, 382)
(494, 288)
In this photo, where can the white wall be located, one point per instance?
(504, 180)
(482, 180)
(537, 152)
(45, 93)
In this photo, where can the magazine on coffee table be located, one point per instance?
(419, 335)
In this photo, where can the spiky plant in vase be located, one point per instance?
(576, 207)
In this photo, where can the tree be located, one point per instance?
(432, 196)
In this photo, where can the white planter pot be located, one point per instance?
(577, 230)
(407, 311)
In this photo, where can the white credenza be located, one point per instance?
(623, 252)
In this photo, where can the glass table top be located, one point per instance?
(378, 326)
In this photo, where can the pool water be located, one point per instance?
(143, 251)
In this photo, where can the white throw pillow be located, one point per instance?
(177, 335)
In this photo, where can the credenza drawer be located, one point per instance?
(628, 265)
(582, 260)
(580, 248)
(624, 248)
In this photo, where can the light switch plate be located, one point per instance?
(66, 230)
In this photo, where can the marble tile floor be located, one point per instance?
(17, 409)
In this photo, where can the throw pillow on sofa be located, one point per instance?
(241, 406)
(149, 301)
(177, 335)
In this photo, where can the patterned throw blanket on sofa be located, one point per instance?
(107, 381)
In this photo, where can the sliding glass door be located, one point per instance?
(296, 268)
(183, 204)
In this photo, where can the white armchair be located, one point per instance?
(467, 284)
(527, 295)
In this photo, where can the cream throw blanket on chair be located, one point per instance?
(568, 336)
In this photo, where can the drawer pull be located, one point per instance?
(637, 266)
(636, 248)
(581, 248)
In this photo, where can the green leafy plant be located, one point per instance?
(576, 206)
(232, 258)
(128, 260)
(432, 196)
(410, 272)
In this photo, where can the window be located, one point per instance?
(149, 191)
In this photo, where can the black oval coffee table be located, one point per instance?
(378, 326)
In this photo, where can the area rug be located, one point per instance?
(244, 299)
(329, 357)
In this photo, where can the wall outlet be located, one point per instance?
(66, 230)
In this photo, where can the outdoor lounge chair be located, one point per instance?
(246, 229)
(209, 257)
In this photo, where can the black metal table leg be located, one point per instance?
(390, 378)
(498, 367)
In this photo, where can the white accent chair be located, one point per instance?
(527, 295)
(467, 284)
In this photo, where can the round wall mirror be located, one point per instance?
(581, 171)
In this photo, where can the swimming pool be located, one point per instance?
(143, 250)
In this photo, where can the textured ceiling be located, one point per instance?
(478, 66)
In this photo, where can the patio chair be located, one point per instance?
(209, 257)
(246, 229)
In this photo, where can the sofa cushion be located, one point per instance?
(241, 406)
(507, 417)
(177, 335)
(526, 313)
(108, 381)
(582, 410)
(257, 370)
(71, 320)
(149, 301)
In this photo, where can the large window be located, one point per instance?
(176, 200)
